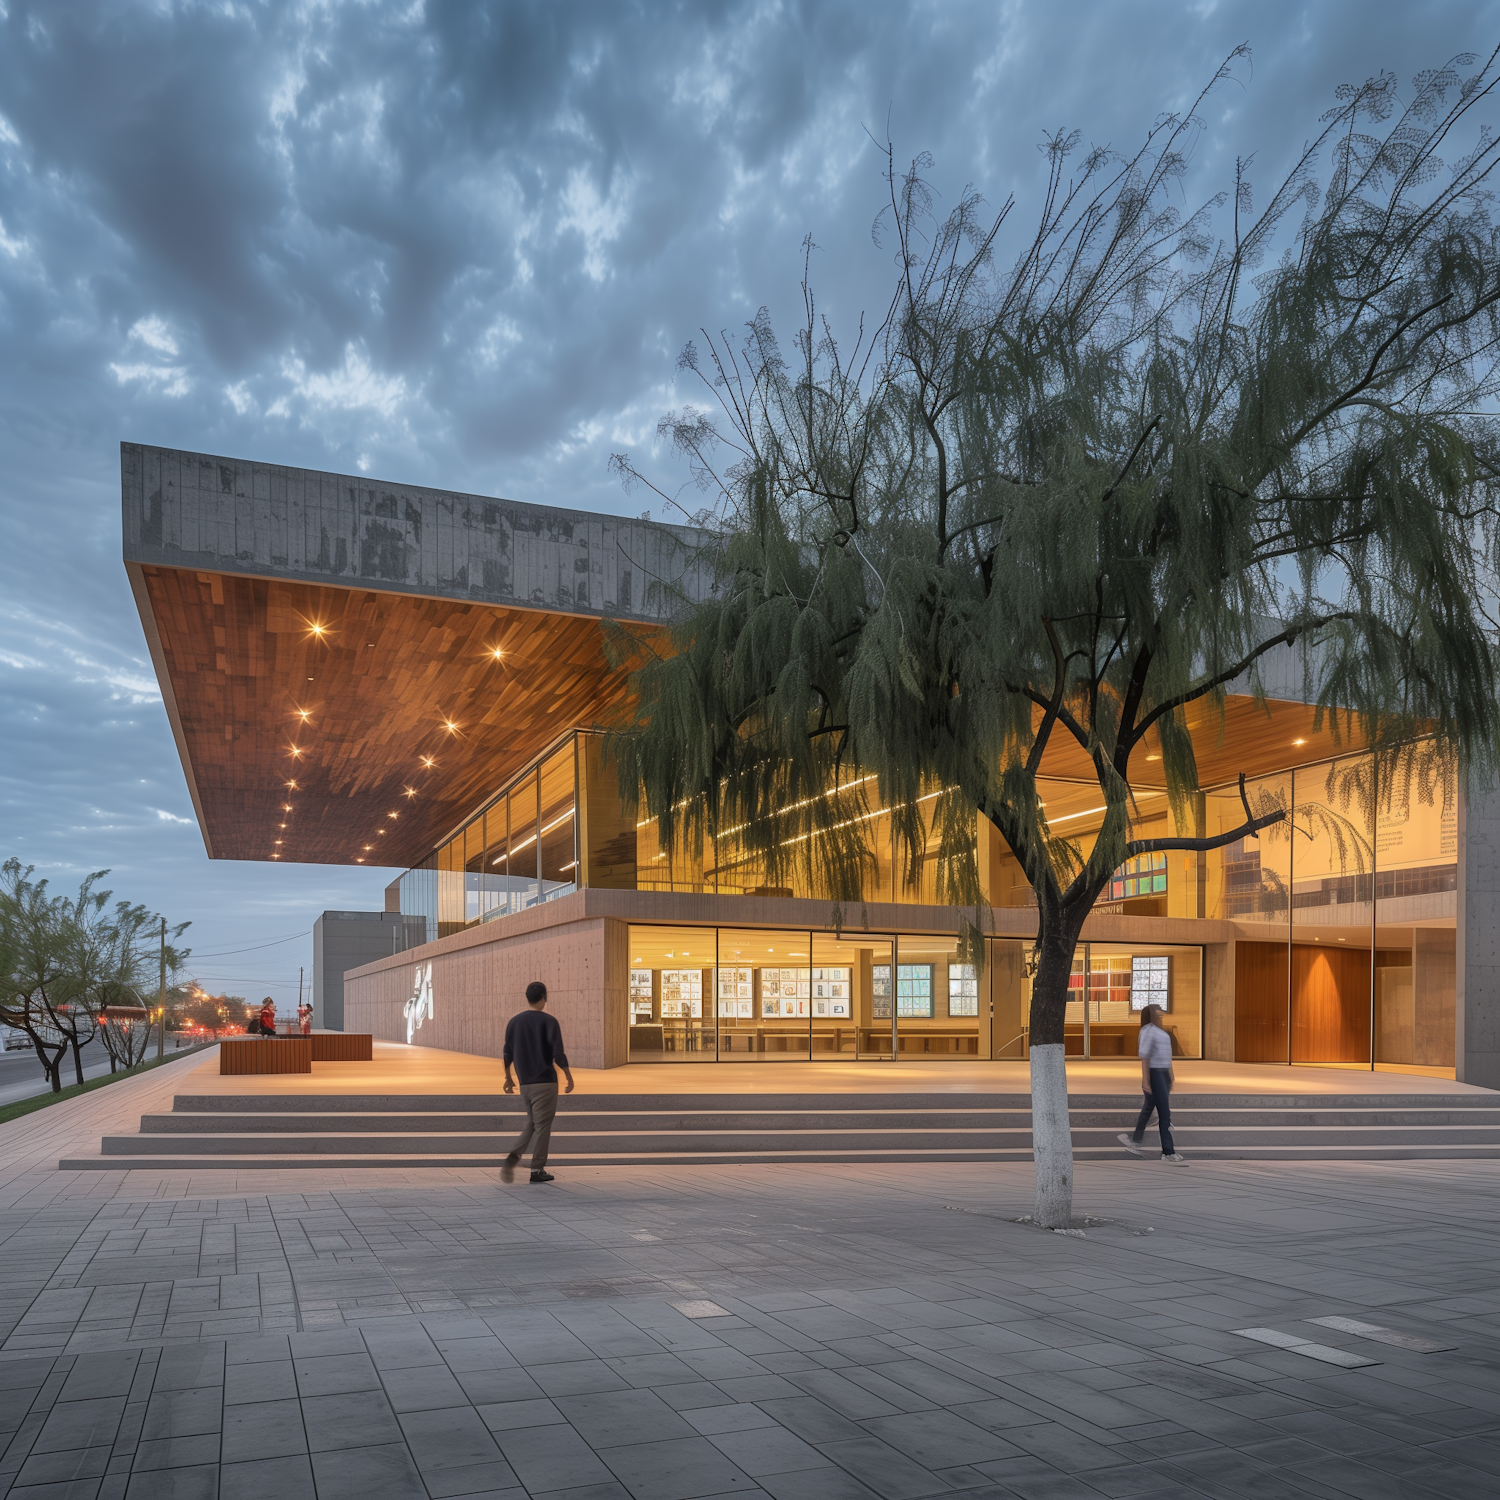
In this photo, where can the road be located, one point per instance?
(21, 1074)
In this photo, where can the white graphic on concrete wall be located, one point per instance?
(419, 1007)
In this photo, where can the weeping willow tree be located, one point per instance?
(1078, 484)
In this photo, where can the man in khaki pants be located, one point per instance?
(533, 1043)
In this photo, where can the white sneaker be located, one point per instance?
(1132, 1145)
(1177, 1159)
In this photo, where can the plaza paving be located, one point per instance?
(689, 1332)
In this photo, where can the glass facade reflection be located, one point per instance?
(1343, 919)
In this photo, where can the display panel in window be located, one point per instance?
(640, 996)
(682, 994)
(880, 992)
(1150, 981)
(737, 994)
(914, 991)
(831, 993)
(784, 993)
(963, 990)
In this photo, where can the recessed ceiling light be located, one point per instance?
(1299, 742)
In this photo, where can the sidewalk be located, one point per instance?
(799, 1333)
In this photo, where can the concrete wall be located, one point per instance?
(1218, 1001)
(229, 515)
(344, 940)
(476, 987)
(1477, 977)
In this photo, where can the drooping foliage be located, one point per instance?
(1075, 485)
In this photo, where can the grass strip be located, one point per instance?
(41, 1101)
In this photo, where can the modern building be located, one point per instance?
(344, 940)
(359, 672)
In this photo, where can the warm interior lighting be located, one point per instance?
(359, 859)
(369, 846)
(317, 630)
(496, 652)
(410, 791)
(1153, 757)
(381, 832)
(293, 785)
(281, 825)
(286, 807)
(450, 726)
(393, 815)
(293, 751)
(1299, 742)
(304, 714)
(429, 761)
(281, 841)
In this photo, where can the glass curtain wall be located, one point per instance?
(557, 833)
(1345, 954)
(671, 985)
(1416, 852)
(1332, 927)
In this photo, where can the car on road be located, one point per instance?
(15, 1040)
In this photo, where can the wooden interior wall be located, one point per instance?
(1330, 1003)
(1260, 993)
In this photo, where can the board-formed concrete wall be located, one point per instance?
(228, 515)
(460, 996)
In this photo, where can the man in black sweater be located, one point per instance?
(533, 1043)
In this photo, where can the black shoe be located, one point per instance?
(542, 1177)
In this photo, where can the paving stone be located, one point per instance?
(607, 1419)
(676, 1469)
(287, 1478)
(385, 1472)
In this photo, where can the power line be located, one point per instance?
(254, 948)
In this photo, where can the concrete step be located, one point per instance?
(260, 1131)
(800, 1121)
(752, 1141)
(262, 1163)
(819, 1104)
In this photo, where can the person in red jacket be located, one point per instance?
(267, 1023)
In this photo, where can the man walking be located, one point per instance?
(533, 1043)
(1156, 1085)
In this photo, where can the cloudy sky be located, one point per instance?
(460, 244)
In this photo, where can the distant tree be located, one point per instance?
(64, 960)
(1065, 496)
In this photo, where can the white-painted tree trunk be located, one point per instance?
(1051, 1137)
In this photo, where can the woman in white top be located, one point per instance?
(1156, 1084)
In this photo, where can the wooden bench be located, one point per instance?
(266, 1054)
(342, 1046)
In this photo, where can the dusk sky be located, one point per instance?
(461, 245)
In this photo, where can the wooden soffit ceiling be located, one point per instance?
(1258, 739)
(352, 710)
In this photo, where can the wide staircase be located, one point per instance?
(249, 1131)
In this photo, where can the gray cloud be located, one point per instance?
(462, 244)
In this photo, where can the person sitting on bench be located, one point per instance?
(266, 1024)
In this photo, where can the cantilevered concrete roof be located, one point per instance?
(326, 629)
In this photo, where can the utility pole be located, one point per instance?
(161, 1027)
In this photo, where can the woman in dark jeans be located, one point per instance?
(1156, 1085)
